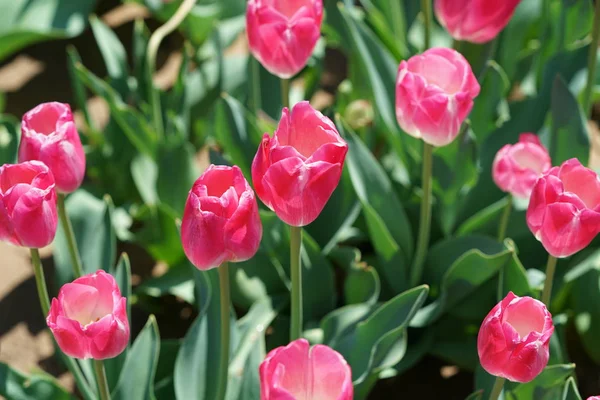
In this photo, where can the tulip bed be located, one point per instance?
(434, 202)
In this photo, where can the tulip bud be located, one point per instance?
(514, 337)
(283, 33)
(476, 21)
(517, 166)
(434, 95)
(296, 171)
(27, 204)
(564, 208)
(89, 317)
(48, 134)
(220, 221)
(298, 371)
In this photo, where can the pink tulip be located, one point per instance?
(299, 372)
(27, 204)
(434, 95)
(564, 208)
(220, 221)
(296, 171)
(89, 317)
(514, 337)
(593, 398)
(517, 166)
(476, 21)
(48, 134)
(283, 33)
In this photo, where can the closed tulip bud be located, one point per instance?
(517, 166)
(514, 337)
(297, 371)
(89, 318)
(282, 34)
(220, 221)
(434, 95)
(28, 215)
(564, 208)
(48, 134)
(476, 21)
(296, 171)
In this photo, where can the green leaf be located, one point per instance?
(585, 295)
(569, 137)
(163, 381)
(546, 386)
(122, 274)
(94, 233)
(341, 322)
(137, 377)
(484, 220)
(9, 139)
(362, 284)
(159, 234)
(177, 172)
(478, 395)
(24, 22)
(177, 281)
(385, 216)
(570, 391)
(114, 55)
(15, 385)
(144, 172)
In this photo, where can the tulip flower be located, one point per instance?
(297, 371)
(89, 317)
(564, 208)
(48, 134)
(593, 398)
(28, 215)
(514, 337)
(220, 221)
(476, 21)
(434, 95)
(296, 171)
(283, 33)
(517, 166)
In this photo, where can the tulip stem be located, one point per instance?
(42, 289)
(151, 52)
(225, 330)
(285, 93)
(425, 218)
(592, 57)
(101, 380)
(497, 389)
(71, 242)
(296, 274)
(426, 9)
(550, 269)
(504, 219)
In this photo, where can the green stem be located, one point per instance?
(592, 56)
(101, 380)
(497, 389)
(296, 274)
(285, 93)
(40, 281)
(550, 269)
(505, 218)
(225, 330)
(42, 290)
(398, 18)
(71, 242)
(152, 50)
(425, 218)
(256, 95)
(426, 8)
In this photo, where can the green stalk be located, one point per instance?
(285, 93)
(550, 269)
(398, 18)
(101, 380)
(425, 218)
(296, 274)
(497, 389)
(592, 56)
(42, 290)
(256, 95)
(505, 218)
(225, 330)
(153, 44)
(71, 242)
(426, 8)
